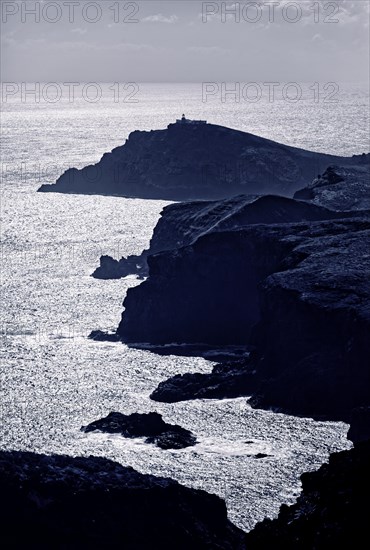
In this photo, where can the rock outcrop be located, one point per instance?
(190, 161)
(332, 511)
(150, 425)
(63, 502)
(110, 268)
(101, 336)
(341, 187)
(227, 380)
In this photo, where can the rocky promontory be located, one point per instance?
(299, 293)
(189, 161)
(85, 503)
(288, 278)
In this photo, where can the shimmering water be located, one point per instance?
(54, 380)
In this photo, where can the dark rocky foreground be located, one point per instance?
(188, 161)
(93, 503)
(86, 503)
(332, 512)
(182, 223)
(150, 425)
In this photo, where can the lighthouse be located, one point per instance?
(184, 120)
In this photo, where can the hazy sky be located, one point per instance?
(175, 40)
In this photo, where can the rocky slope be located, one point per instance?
(188, 161)
(332, 511)
(182, 223)
(299, 293)
(341, 187)
(85, 503)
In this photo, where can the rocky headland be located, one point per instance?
(293, 284)
(298, 293)
(189, 161)
(286, 277)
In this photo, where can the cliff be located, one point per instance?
(63, 502)
(299, 293)
(181, 224)
(186, 161)
(315, 318)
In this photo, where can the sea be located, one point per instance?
(53, 379)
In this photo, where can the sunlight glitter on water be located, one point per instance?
(53, 379)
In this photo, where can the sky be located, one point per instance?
(184, 41)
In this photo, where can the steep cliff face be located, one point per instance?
(182, 223)
(63, 502)
(204, 293)
(315, 322)
(341, 187)
(186, 161)
(332, 511)
(299, 293)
